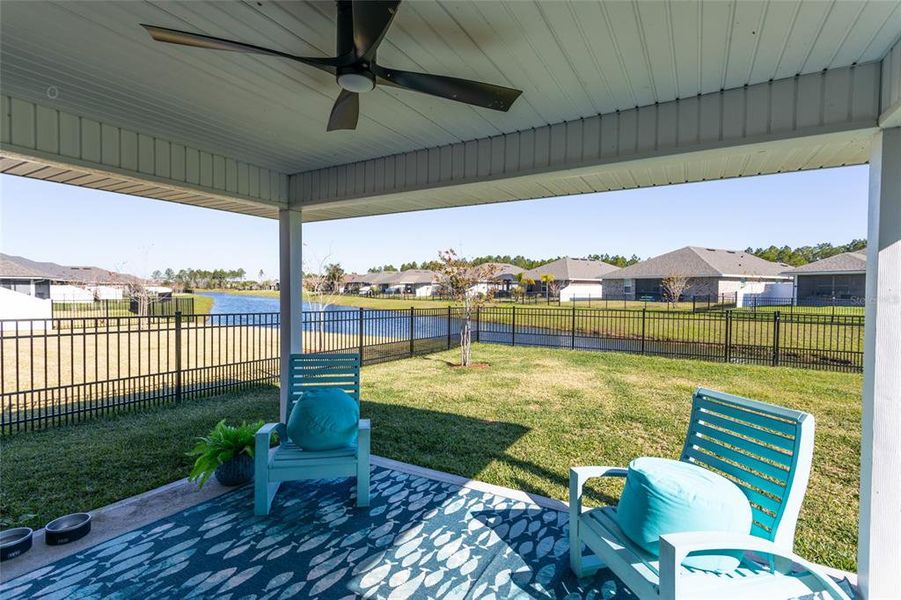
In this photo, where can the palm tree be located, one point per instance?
(548, 280)
(524, 282)
(334, 275)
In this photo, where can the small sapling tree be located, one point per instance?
(322, 289)
(460, 282)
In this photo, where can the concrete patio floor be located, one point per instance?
(427, 534)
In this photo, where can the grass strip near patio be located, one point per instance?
(47, 474)
(520, 422)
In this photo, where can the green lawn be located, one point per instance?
(50, 473)
(852, 311)
(521, 422)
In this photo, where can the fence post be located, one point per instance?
(572, 341)
(513, 328)
(694, 307)
(411, 331)
(478, 323)
(360, 336)
(728, 347)
(776, 338)
(178, 356)
(644, 315)
(448, 327)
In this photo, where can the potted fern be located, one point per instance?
(226, 452)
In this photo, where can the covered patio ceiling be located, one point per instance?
(615, 95)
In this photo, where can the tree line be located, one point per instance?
(208, 278)
(520, 261)
(805, 254)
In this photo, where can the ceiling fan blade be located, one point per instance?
(345, 112)
(186, 38)
(486, 95)
(371, 21)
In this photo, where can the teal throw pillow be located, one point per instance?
(324, 419)
(667, 496)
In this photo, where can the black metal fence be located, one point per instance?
(124, 307)
(60, 371)
(810, 305)
(799, 340)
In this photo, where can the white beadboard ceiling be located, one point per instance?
(572, 59)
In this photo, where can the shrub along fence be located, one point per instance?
(60, 371)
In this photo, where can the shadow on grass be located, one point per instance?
(457, 444)
(443, 441)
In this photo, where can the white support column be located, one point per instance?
(290, 258)
(879, 538)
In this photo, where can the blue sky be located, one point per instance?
(79, 226)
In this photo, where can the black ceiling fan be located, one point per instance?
(362, 25)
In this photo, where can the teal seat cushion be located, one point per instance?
(324, 419)
(668, 496)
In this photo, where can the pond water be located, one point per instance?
(345, 322)
(230, 304)
(396, 324)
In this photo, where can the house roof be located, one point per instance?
(846, 262)
(695, 261)
(571, 269)
(498, 270)
(357, 277)
(19, 267)
(408, 277)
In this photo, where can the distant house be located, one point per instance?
(419, 282)
(502, 280)
(352, 282)
(29, 288)
(62, 283)
(841, 278)
(710, 272)
(573, 278)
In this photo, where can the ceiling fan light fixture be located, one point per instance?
(356, 81)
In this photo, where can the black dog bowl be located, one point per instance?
(67, 529)
(14, 542)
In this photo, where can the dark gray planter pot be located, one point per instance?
(236, 471)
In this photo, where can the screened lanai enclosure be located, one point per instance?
(573, 97)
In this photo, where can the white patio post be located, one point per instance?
(879, 538)
(290, 257)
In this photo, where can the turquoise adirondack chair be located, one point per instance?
(287, 462)
(767, 451)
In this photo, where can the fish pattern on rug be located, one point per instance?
(420, 538)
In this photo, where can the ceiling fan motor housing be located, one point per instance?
(355, 79)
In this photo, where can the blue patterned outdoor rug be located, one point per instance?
(420, 538)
